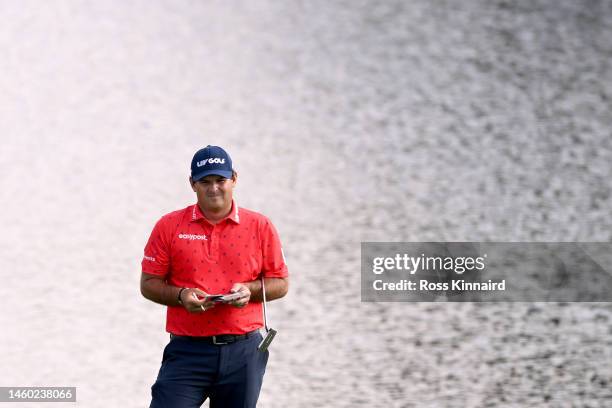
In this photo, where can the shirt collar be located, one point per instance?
(197, 215)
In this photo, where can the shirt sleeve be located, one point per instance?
(156, 260)
(274, 265)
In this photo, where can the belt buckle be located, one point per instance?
(218, 343)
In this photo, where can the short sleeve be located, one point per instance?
(156, 260)
(274, 265)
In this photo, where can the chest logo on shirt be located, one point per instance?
(192, 237)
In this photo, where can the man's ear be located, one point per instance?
(192, 184)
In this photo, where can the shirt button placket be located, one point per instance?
(214, 243)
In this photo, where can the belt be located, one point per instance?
(219, 339)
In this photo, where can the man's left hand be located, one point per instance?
(246, 295)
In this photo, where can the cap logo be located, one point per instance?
(211, 161)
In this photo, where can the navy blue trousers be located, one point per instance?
(192, 371)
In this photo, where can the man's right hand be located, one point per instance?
(194, 300)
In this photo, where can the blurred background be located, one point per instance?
(348, 121)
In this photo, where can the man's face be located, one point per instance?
(214, 193)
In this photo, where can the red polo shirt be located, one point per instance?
(188, 251)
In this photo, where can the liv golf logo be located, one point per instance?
(215, 160)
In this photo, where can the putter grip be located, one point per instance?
(263, 346)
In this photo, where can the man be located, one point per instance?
(209, 248)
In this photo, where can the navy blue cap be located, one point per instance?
(211, 160)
